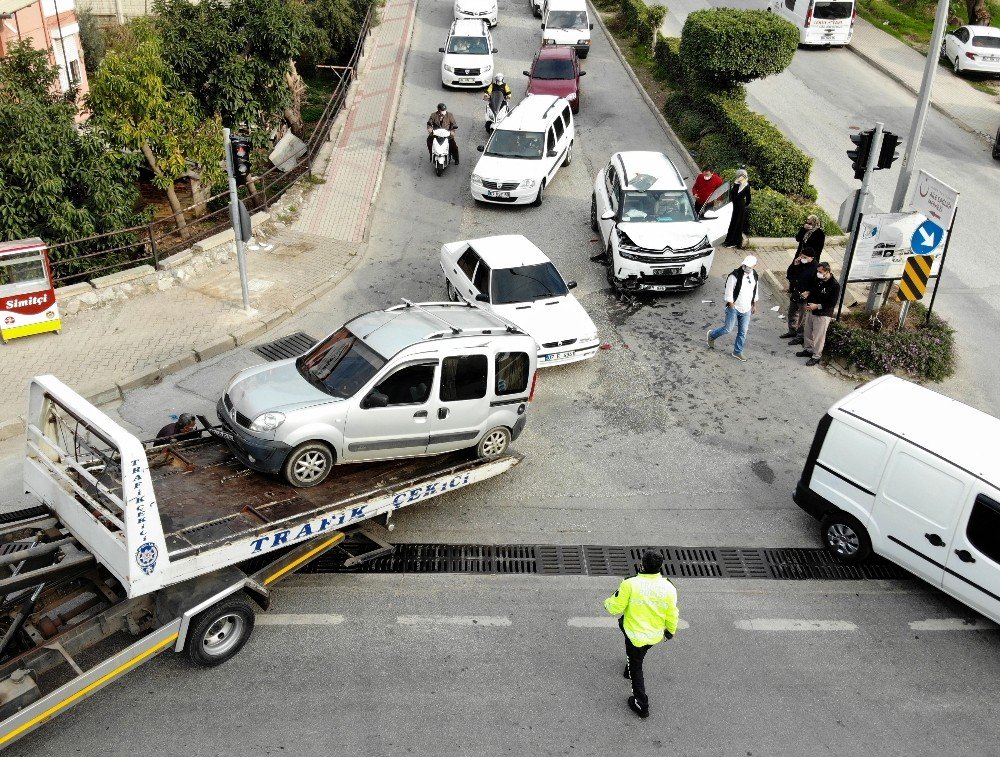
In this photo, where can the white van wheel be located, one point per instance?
(569, 155)
(308, 465)
(494, 443)
(845, 537)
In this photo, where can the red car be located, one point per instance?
(556, 71)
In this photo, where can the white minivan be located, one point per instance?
(524, 152)
(914, 476)
(825, 23)
(567, 22)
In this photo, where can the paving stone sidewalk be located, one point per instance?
(105, 352)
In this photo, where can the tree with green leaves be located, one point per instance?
(137, 103)
(57, 182)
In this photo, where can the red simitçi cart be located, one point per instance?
(27, 296)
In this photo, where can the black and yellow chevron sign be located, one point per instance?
(915, 274)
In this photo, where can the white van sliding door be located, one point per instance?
(917, 511)
(972, 572)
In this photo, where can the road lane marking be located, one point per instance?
(287, 619)
(608, 622)
(953, 624)
(790, 624)
(452, 620)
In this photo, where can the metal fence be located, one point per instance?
(84, 259)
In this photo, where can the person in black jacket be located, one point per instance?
(821, 304)
(739, 196)
(800, 274)
(811, 237)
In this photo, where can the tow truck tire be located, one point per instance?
(308, 465)
(220, 632)
(494, 443)
(845, 538)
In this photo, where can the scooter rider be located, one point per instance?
(499, 83)
(442, 119)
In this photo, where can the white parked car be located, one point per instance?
(524, 152)
(973, 48)
(510, 277)
(478, 9)
(645, 216)
(468, 55)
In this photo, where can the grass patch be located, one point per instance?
(319, 87)
(912, 21)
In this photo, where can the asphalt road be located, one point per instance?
(656, 440)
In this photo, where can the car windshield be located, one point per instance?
(468, 46)
(548, 68)
(526, 283)
(566, 20)
(340, 365)
(833, 11)
(983, 41)
(663, 206)
(516, 144)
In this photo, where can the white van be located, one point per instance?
(914, 476)
(566, 22)
(820, 22)
(413, 380)
(524, 152)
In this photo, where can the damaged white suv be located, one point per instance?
(644, 213)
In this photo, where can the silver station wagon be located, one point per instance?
(416, 379)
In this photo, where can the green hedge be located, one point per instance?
(730, 46)
(922, 352)
(773, 214)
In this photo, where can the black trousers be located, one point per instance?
(452, 146)
(635, 656)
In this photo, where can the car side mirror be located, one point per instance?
(526, 73)
(440, 49)
(376, 399)
(543, 27)
(608, 215)
(706, 216)
(480, 148)
(591, 27)
(583, 73)
(482, 298)
(494, 51)
(571, 285)
(552, 153)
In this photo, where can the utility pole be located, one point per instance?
(234, 217)
(923, 102)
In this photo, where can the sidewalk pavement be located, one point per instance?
(106, 352)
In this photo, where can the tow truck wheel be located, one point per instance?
(845, 537)
(308, 464)
(494, 443)
(220, 632)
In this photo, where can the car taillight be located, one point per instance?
(534, 383)
(809, 16)
(970, 56)
(854, 15)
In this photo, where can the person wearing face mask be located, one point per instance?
(800, 274)
(739, 196)
(442, 119)
(706, 183)
(741, 302)
(820, 306)
(811, 237)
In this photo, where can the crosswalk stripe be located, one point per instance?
(452, 620)
(953, 624)
(608, 622)
(790, 624)
(286, 619)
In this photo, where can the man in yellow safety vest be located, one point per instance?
(647, 604)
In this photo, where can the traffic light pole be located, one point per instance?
(234, 217)
(861, 207)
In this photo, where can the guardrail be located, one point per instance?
(90, 257)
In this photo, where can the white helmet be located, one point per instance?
(498, 80)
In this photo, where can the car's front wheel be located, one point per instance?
(452, 294)
(845, 537)
(594, 225)
(308, 464)
(569, 155)
(541, 193)
(494, 443)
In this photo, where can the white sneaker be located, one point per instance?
(711, 342)
(740, 358)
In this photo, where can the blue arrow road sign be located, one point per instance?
(926, 238)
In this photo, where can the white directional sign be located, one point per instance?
(934, 199)
(885, 240)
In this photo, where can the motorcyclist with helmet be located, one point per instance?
(501, 84)
(442, 119)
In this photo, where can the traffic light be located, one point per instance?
(887, 155)
(240, 154)
(859, 155)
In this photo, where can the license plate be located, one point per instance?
(226, 436)
(991, 59)
(558, 356)
(656, 288)
(500, 195)
(467, 81)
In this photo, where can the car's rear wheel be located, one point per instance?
(494, 443)
(958, 65)
(845, 537)
(594, 225)
(308, 465)
(220, 632)
(569, 155)
(452, 294)
(944, 51)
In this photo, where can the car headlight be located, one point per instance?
(527, 184)
(704, 243)
(624, 243)
(583, 42)
(267, 421)
(571, 96)
(477, 180)
(449, 69)
(487, 69)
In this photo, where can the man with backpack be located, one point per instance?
(741, 302)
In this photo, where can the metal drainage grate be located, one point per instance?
(292, 345)
(31, 512)
(599, 560)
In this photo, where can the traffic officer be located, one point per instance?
(647, 604)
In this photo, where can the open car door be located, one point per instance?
(716, 214)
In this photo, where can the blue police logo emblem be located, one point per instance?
(146, 556)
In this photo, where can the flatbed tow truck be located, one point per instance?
(138, 548)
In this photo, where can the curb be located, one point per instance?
(671, 134)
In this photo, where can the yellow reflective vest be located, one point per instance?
(649, 604)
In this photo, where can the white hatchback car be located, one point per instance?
(510, 277)
(468, 55)
(524, 152)
(478, 9)
(645, 216)
(973, 49)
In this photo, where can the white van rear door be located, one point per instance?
(916, 511)
(972, 571)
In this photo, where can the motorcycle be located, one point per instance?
(440, 150)
(497, 108)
